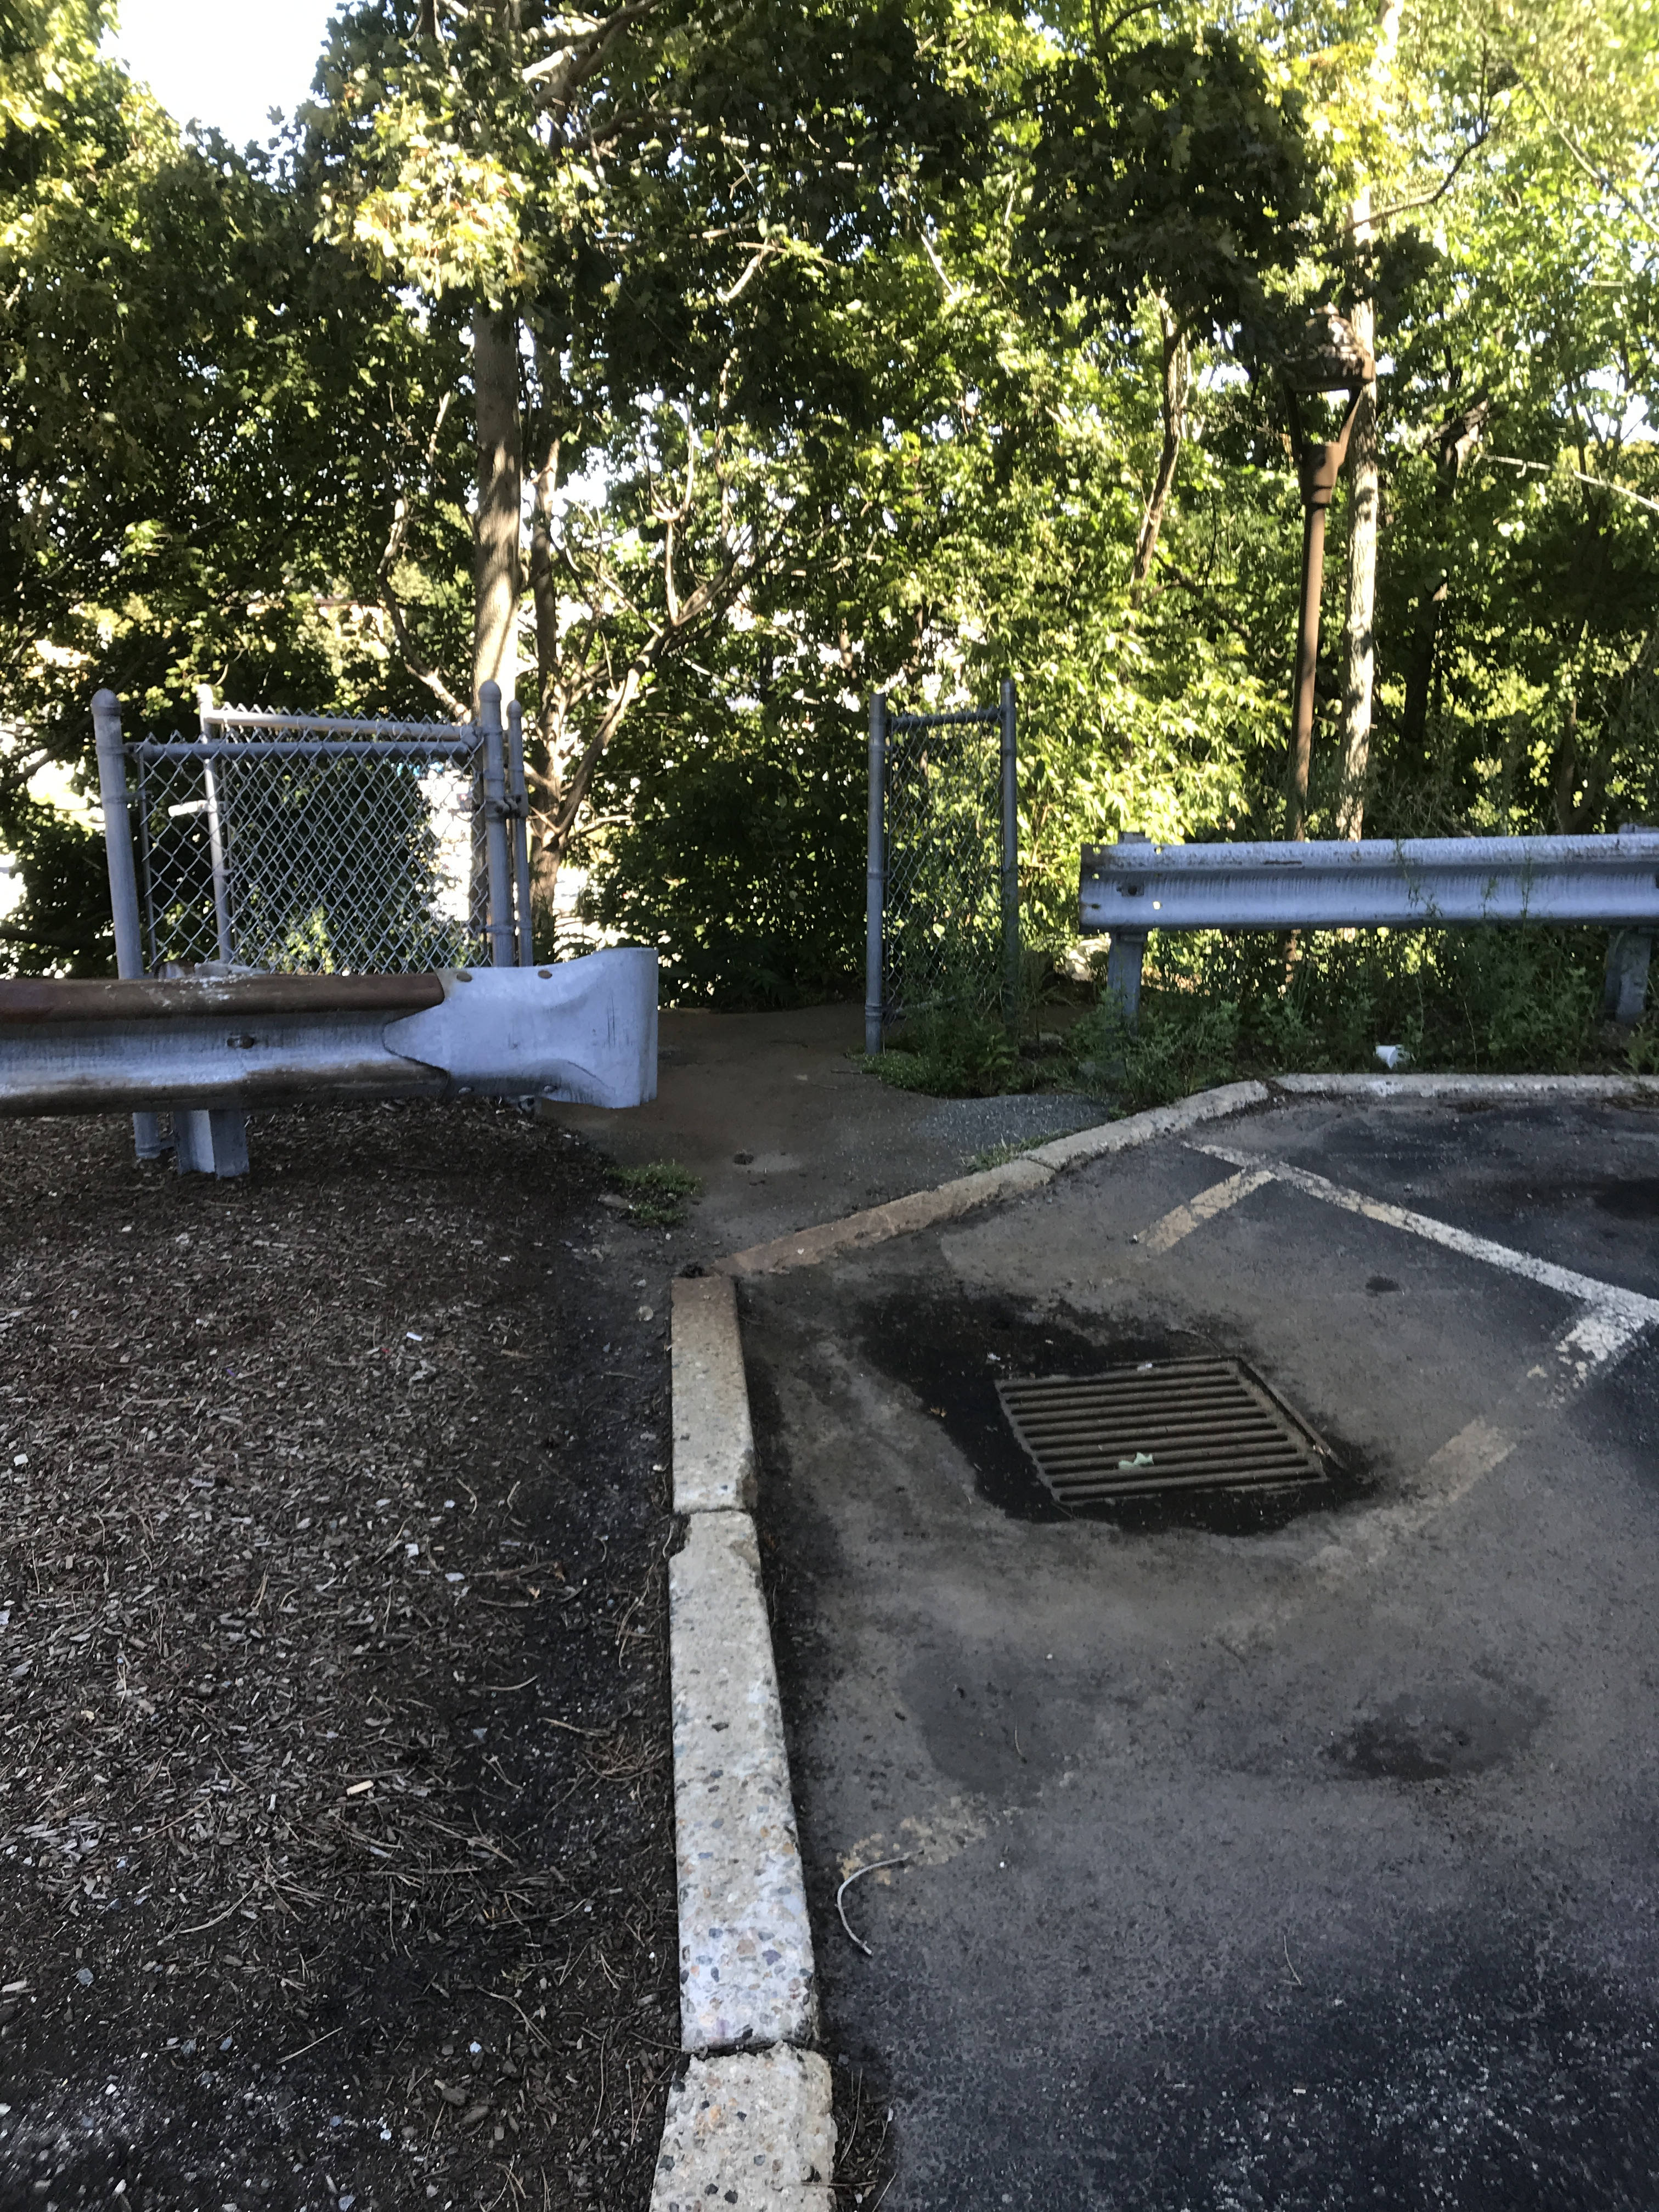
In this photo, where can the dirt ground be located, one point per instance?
(336, 1834)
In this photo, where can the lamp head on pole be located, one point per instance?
(1328, 357)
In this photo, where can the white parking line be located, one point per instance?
(1616, 1316)
(1181, 1220)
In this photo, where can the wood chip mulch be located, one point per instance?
(336, 1822)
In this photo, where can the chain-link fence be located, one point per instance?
(293, 843)
(943, 917)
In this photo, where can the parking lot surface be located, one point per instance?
(1289, 1848)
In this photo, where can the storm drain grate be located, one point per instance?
(1166, 1425)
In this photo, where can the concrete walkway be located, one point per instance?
(786, 1129)
(1295, 1851)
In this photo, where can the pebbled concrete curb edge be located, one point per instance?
(750, 2124)
(752, 2129)
(714, 1441)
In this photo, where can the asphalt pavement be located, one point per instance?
(1290, 1849)
(783, 1127)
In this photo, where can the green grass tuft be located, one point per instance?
(659, 1192)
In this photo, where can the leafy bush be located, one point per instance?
(740, 854)
(1216, 1009)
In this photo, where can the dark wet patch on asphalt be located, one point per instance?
(1440, 1734)
(949, 1349)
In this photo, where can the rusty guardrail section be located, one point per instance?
(209, 1047)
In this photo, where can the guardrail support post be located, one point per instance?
(1629, 951)
(1124, 956)
(123, 878)
(211, 1140)
(1009, 860)
(876, 873)
(494, 782)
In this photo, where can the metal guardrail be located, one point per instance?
(1610, 881)
(210, 1047)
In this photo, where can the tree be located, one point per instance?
(201, 419)
(1179, 173)
(668, 203)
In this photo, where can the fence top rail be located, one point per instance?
(1377, 882)
(943, 721)
(462, 747)
(267, 718)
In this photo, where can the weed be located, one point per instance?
(1216, 1008)
(954, 1053)
(659, 1192)
(998, 1156)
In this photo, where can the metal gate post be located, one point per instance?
(215, 831)
(123, 877)
(519, 794)
(876, 873)
(494, 782)
(1009, 860)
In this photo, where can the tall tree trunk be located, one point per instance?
(547, 735)
(1359, 632)
(496, 568)
(1176, 378)
(1455, 439)
(1419, 673)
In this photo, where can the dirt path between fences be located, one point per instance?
(335, 1799)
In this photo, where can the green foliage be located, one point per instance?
(1216, 1010)
(736, 849)
(1179, 168)
(659, 1192)
(953, 1052)
(846, 327)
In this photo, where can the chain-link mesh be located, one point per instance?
(279, 848)
(943, 942)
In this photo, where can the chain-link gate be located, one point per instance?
(295, 843)
(943, 896)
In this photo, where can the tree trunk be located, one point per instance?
(496, 561)
(547, 731)
(1419, 676)
(1177, 375)
(1359, 634)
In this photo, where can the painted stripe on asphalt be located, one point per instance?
(1608, 1298)
(1181, 1220)
(1616, 1316)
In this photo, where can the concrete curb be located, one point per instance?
(752, 2129)
(1495, 1087)
(749, 2125)
(713, 1442)
(921, 1209)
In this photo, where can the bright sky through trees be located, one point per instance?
(225, 65)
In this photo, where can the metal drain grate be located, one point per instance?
(1167, 1425)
